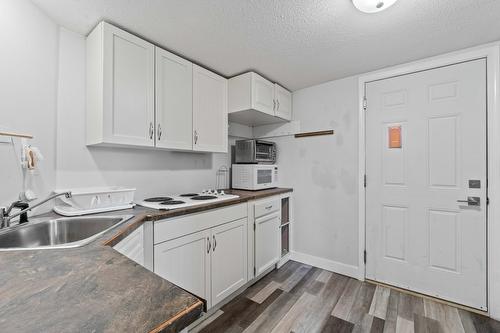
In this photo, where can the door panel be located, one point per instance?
(185, 261)
(229, 259)
(425, 139)
(263, 94)
(267, 240)
(209, 111)
(284, 102)
(174, 101)
(128, 88)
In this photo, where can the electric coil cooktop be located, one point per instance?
(184, 200)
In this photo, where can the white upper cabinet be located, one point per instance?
(254, 101)
(120, 88)
(283, 102)
(174, 101)
(209, 111)
(262, 94)
(143, 96)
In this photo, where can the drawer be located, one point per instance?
(179, 226)
(267, 207)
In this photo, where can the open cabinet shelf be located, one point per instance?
(285, 226)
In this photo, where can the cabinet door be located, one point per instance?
(209, 111)
(267, 242)
(128, 91)
(262, 94)
(174, 101)
(229, 259)
(185, 261)
(283, 102)
(133, 246)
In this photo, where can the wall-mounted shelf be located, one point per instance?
(16, 135)
(317, 133)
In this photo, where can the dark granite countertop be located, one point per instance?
(94, 288)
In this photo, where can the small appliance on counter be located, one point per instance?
(255, 151)
(93, 200)
(168, 202)
(254, 165)
(254, 176)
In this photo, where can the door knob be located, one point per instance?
(471, 201)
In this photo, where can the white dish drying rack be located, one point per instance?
(93, 200)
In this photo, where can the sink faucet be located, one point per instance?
(5, 216)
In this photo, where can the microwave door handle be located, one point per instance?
(254, 156)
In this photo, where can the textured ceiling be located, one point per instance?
(297, 43)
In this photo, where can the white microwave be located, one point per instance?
(254, 176)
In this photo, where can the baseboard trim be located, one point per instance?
(326, 264)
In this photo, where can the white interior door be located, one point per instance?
(174, 101)
(425, 151)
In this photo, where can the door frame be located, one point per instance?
(490, 52)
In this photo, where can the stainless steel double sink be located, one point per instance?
(67, 232)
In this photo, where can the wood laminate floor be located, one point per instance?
(300, 298)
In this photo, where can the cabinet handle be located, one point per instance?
(159, 132)
(269, 207)
(195, 137)
(209, 246)
(151, 129)
(277, 101)
(215, 242)
(274, 105)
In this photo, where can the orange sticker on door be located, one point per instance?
(395, 137)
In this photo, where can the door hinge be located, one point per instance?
(487, 201)
(254, 271)
(254, 227)
(364, 181)
(365, 103)
(364, 256)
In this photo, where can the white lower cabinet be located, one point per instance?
(267, 242)
(185, 261)
(132, 246)
(143, 96)
(229, 259)
(211, 263)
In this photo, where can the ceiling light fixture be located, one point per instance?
(372, 6)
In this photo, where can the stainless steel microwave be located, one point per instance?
(255, 151)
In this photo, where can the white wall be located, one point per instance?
(152, 172)
(323, 172)
(42, 87)
(28, 82)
